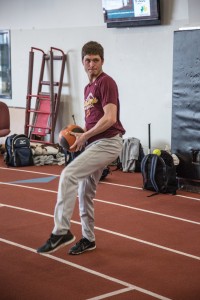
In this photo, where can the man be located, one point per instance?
(102, 139)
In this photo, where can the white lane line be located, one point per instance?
(28, 210)
(90, 271)
(101, 182)
(121, 291)
(188, 197)
(148, 243)
(108, 202)
(114, 233)
(148, 211)
(26, 171)
(28, 187)
(138, 188)
(122, 185)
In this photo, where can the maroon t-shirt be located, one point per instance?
(98, 94)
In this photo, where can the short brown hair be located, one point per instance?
(92, 48)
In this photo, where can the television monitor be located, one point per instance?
(131, 13)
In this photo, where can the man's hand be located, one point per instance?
(80, 141)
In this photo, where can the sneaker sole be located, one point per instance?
(77, 253)
(59, 247)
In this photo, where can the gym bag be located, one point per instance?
(159, 173)
(18, 151)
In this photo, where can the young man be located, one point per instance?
(102, 140)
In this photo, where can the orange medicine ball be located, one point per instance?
(66, 140)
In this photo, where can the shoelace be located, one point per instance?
(82, 243)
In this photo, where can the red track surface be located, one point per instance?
(147, 248)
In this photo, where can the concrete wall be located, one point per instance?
(139, 59)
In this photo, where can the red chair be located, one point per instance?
(4, 120)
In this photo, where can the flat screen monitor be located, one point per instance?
(131, 13)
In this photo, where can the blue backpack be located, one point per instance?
(159, 173)
(18, 151)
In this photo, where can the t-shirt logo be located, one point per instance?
(89, 103)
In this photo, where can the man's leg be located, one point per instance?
(94, 158)
(87, 190)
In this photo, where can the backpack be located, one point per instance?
(159, 173)
(18, 151)
(140, 158)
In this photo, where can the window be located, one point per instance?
(5, 65)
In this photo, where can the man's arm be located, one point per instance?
(109, 118)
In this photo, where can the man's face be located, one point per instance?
(93, 66)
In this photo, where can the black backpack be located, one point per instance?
(18, 151)
(140, 158)
(159, 173)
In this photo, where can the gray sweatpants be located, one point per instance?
(82, 176)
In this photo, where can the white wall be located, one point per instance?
(139, 59)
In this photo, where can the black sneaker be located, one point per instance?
(82, 246)
(55, 242)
